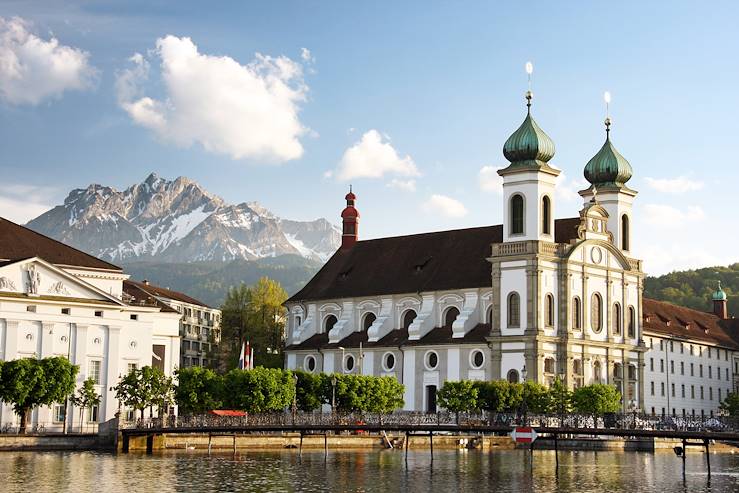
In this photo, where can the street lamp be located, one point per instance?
(524, 373)
(333, 394)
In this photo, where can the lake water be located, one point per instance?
(451, 471)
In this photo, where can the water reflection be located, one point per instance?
(465, 471)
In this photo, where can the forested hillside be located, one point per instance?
(209, 281)
(693, 288)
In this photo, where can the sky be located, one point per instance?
(287, 103)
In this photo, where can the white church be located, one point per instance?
(532, 299)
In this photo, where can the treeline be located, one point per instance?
(272, 389)
(693, 288)
(501, 396)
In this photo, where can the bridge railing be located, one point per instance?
(430, 420)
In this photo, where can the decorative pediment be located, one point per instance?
(38, 278)
(594, 223)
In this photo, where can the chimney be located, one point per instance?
(146, 282)
(350, 221)
(719, 303)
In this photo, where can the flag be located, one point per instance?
(251, 359)
(247, 357)
(242, 363)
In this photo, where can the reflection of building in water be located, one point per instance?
(535, 298)
(58, 301)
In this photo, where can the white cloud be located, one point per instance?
(680, 184)
(666, 216)
(306, 55)
(489, 179)
(243, 111)
(444, 206)
(33, 69)
(373, 157)
(406, 185)
(661, 258)
(567, 189)
(21, 203)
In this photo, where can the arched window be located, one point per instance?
(549, 365)
(546, 215)
(617, 371)
(450, 316)
(632, 322)
(576, 313)
(596, 312)
(597, 372)
(517, 215)
(625, 232)
(514, 310)
(489, 316)
(616, 321)
(408, 318)
(369, 319)
(549, 319)
(512, 376)
(329, 322)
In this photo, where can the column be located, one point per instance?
(113, 371)
(409, 379)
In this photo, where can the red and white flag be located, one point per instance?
(247, 357)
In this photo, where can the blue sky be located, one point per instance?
(422, 93)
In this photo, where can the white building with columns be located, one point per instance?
(535, 297)
(58, 301)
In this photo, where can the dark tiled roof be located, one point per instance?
(139, 297)
(395, 338)
(166, 293)
(436, 261)
(667, 319)
(19, 243)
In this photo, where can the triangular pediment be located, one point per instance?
(36, 278)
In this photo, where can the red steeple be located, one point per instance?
(350, 220)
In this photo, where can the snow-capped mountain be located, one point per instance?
(178, 221)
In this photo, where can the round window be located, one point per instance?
(432, 360)
(349, 363)
(389, 362)
(310, 363)
(477, 358)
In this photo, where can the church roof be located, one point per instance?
(671, 320)
(18, 243)
(441, 260)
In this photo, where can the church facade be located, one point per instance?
(536, 298)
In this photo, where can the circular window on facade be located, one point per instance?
(349, 363)
(432, 360)
(477, 359)
(389, 362)
(309, 363)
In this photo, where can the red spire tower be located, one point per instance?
(350, 221)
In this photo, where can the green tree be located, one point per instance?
(145, 387)
(85, 398)
(458, 396)
(560, 397)
(28, 383)
(254, 313)
(309, 393)
(495, 396)
(596, 399)
(386, 394)
(259, 390)
(536, 397)
(198, 390)
(730, 404)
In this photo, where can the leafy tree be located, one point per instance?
(458, 397)
(596, 399)
(28, 383)
(363, 393)
(254, 313)
(259, 390)
(693, 288)
(386, 394)
(560, 397)
(85, 398)
(309, 393)
(145, 387)
(198, 390)
(730, 404)
(495, 396)
(536, 397)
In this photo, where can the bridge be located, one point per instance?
(692, 431)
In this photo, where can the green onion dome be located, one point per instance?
(608, 167)
(719, 294)
(529, 143)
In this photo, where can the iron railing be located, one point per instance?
(443, 419)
